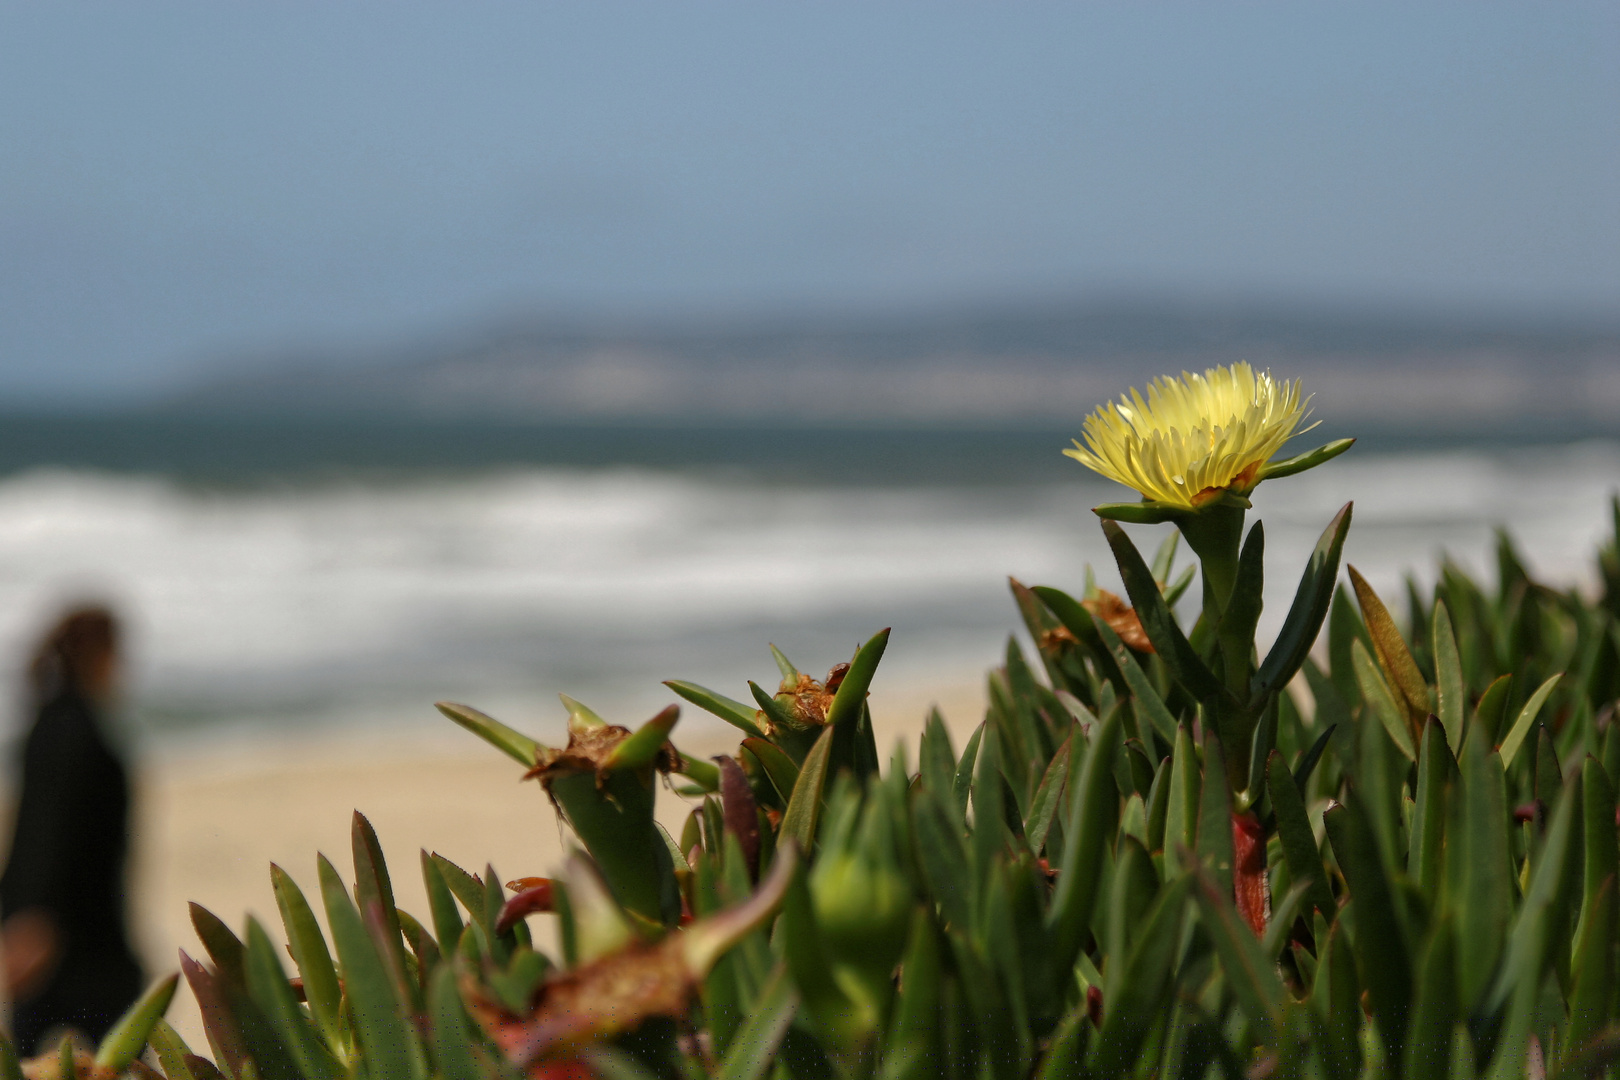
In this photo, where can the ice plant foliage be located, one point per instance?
(1147, 861)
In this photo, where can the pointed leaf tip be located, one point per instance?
(581, 714)
(1310, 459)
(1141, 513)
(643, 746)
(509, 741)
(124, 1043)
(1526, 720)
(706, 941)
(851, 692)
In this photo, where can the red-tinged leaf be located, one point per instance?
(615, 993)
(218, 1022)
(224, 948)
(202, 1068)
(1393, 655)
(536, 899)
(741, 811)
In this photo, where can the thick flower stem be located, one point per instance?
(1215, 533)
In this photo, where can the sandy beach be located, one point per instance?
(210, 821)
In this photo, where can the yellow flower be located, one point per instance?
(1195, 437)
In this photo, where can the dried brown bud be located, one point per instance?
(1121, 619)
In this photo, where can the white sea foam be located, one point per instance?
(349, 603)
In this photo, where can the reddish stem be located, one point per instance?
(1249, 883)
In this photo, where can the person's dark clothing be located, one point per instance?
(67, 857)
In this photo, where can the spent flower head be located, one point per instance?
(1199, 439)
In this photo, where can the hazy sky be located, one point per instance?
(182, 185)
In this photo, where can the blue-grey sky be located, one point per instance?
(182, 185)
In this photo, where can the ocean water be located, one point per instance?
(346, 600)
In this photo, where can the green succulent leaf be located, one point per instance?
(851, 693)
(308, 947)
(1490, 712)
(1526, 720)
(1280, 921)
(372, 889)
(1311, 602)
(1145, 986)
(1478, 867)
(614, 819)
(1157, 621)
(702, 773)
(1146, 512)
(942, 852)
(581, 715)
(1376, 693)
(384, 1033)
(735, 713)
(1591, 997)
(171, 1051)
(1242, 612)
(1215, 816)
(1181, 812)
(804, 805)
(964, 769)
(1394, 657)
(1085, 837)
(1149, 704)
(643, 745)
(128, 1036)
(784, 665)
(1436, 767)
(1380, 945)
(1308, 760)
(753, 1050)
(1251, 974)
(1529, 954)
(1451, 692)
(268, 984)
(452, 1035)
(781, 769)
(1310, 459)
(1048, 797)
(1164, 559)
(1600, 836)
(1435, 1010)
(1336, 998)
(220, 1024)
(509, 741)
(1294, 831)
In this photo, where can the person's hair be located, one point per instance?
(80, 641)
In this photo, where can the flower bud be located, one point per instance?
(863, 909)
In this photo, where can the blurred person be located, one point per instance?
(67, 960)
